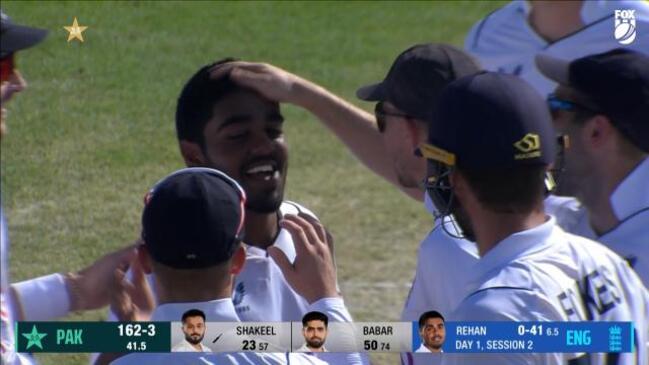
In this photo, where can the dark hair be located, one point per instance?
(315, 316)
(193, 313)
(511, 190)
(427, 315)
(196, 102)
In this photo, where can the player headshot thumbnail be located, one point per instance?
(314, 329)
(432, 332)
(194, 329)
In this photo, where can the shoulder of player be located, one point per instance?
(290, 207)
(583, 247)
(506, 304)
(439, 245)
(507, 16)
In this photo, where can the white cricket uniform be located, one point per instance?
(546, 274)
(184, 346)
(423, 349)
(444, 263)
(260, 292)
(31, 294)
(504, 41)
(630, 202)
(223, 310)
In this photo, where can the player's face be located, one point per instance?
(433, 334)
(12, 82)
(315, 334)
(399, 145)
(575, 163)
(245, 140)
(194, 329)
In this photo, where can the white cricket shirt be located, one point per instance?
(504, 41)
(546, 274)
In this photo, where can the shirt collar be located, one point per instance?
(219, 310)
(632, 194)
(517, 245)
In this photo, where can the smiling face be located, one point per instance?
(244, 139)
(433, 334)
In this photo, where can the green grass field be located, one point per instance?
(95, 129)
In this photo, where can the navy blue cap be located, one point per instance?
(193, 219)
(490, 120)
(613, 83)
(418, 76)
(14, 37)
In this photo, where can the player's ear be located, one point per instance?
(599, 131)
(192, 154)
(144, 258)
(238, 260)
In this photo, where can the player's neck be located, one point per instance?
(495, 227)
(261, 229)
(553, 20)
(207, 290)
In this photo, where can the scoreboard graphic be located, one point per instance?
(515, 337)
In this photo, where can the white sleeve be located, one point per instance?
(50, 289)
(334, 308)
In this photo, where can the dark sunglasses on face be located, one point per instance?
(381, 115)
(7, 67)
(556, 104)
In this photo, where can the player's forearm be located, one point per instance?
(355, 127)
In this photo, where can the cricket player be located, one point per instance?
(508, 39)
(490, 144)
(193, 327)
(192, 229)
(602, 105)
(385, 143)
(221, 125)
(432, 332)
(50, 296)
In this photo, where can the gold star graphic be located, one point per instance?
(75, 31)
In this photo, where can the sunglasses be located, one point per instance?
(556, 104)
(381, 116)
(7, 67)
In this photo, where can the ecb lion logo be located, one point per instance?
(625, 28)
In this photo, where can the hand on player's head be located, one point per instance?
(313, 274)
(270, 81)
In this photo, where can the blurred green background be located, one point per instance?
(95, 128)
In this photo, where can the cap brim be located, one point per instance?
(374, 92)
(554, 68)
(18, 37)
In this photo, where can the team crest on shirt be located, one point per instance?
(239, 293)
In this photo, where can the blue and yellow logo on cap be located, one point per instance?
(528, 147)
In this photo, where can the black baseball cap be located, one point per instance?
(490, 120)
(14, 37)
(613, 83)
(417, 77)
(193, 219)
